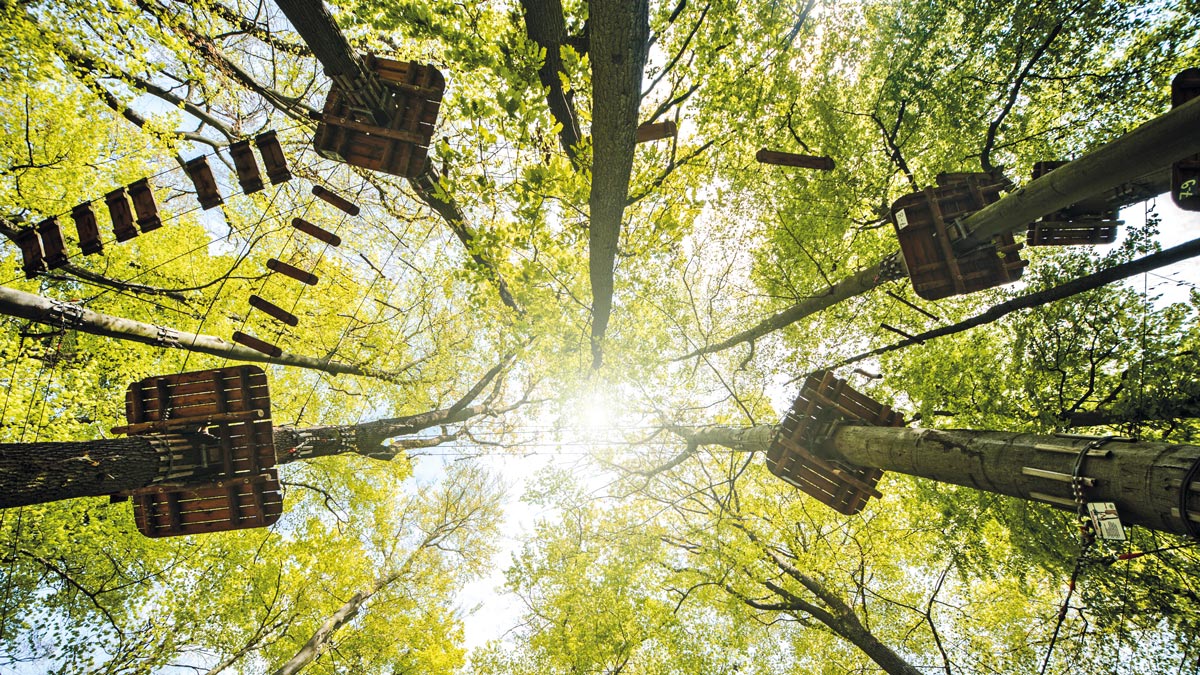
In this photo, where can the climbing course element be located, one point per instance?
(766, 156)
(31, 252)
(85, 226)
(247, 167)
(202, 178)
(274, 311)
(927, 225)
(52, 243)
(1090, 222)
(653, 132)
(273, 159)
(336, 200)
(824, 402)
(293, 272)
(120, 214)
(256, 344)
(144, 206)
(1185, 174)
(316, 232)
(401, 145)
(213, 428)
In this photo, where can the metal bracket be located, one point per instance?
(167, 337)
(66, 314)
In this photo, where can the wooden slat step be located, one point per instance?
(316, 232)
(274, 311)
(86, 227)
(293, 272)
(144, 206)
(335, 200)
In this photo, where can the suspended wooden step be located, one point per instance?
(86, 227)
(293, 272)
(316, 232)
(1185, 174)
(274, 311)
(335, 200)
(657, 131)
(206, 186)
(144, 206)
(31, 252)
(413, 96)
(924, 224)
(823, 401)
(247, 166)
(778, 158)
(1088, 223)
(221, 479)
(273, 159)
(53, 249)
(256, 344)
(121, 214)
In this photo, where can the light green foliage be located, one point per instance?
(688, 560)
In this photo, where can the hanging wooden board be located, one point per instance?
(336, 200)
(121, 214)
(86, 227)
(53, 249)
(765, 156)
(144, 206)
(247, 167)
(206, 186)
(656, 131)
(824, 400)
(32, 262)
(401, 148)
(273, 159)
(231, 409)
(292, 271)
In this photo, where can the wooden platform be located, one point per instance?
(227, 413)
(925, 225)
(823, 401)
(400, 148)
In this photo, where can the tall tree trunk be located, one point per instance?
(1144, 480)
(620, 34)
(35, 473)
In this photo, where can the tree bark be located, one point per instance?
(1143, 479)
(620, 33)
(861, 282)
(1073, 287)
(32, 473)
(547, 27)
(73, 317)
(35, 473)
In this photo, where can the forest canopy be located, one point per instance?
(612, 317)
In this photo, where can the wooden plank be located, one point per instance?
(336, 200)
(53, 252)
(293, 272)
(246, 166)
(256, 344)
(206, 186)
(32, 262)
(273, 159)
(144, 206)
(121, 214)
(86, 227)
(316, 232)
(657, 131)
(274, 311)
(778, 158)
